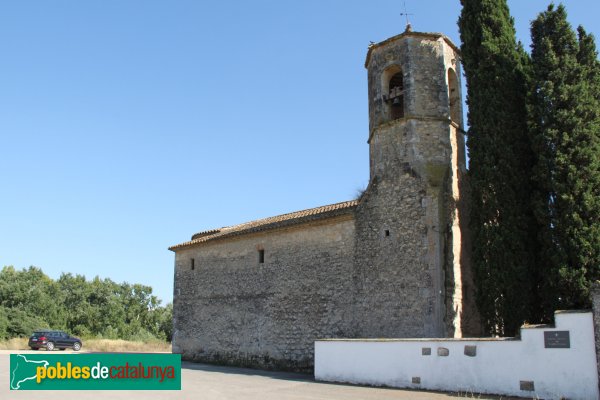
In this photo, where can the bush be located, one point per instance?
(22, 324)
(3, 324)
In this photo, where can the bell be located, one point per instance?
(396, 102)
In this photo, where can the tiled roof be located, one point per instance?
(264, 224)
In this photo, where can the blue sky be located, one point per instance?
(126, 126)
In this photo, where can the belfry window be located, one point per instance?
(396, 96)
(454, 97)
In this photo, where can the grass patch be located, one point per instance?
(101, 345)
(14, 344)
(118, 345)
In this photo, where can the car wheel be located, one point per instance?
(49, 346)
(76, 346)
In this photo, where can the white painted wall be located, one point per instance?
(498, 367)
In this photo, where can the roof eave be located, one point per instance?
(267, 227)
(432, 35)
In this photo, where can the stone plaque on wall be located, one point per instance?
(557, 340)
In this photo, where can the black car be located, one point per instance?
(51, 340)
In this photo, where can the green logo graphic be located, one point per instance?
(95, 372)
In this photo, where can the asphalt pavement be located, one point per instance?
(209, 382)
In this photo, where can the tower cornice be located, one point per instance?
(430, 35)
(407, 118)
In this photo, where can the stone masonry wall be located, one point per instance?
(414, 172)
(231, 309)
(395, 290)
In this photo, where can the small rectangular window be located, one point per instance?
(193, 264)
(261, 256)
(387, 232)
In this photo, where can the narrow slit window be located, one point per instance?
(192, 264)
(261, 256)
(387, 232)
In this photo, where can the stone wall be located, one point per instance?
(396, 293)
(462, 316)
(231, 309)
(418, 171)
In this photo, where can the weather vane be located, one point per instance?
(406, 14)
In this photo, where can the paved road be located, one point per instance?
(207, 382)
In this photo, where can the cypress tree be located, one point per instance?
(565, 132)
(500, 161)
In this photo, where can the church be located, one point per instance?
(393, 263)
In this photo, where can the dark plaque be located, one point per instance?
(557, 340)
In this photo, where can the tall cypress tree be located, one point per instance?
(565, 132)
(500, 161)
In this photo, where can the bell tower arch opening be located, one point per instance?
(393, 90)
(454, 97)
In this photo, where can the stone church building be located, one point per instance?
(393, 263)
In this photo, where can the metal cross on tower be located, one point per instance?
(406, 14)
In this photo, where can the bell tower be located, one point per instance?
(412, 239)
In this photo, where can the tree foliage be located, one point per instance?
(534, 147)
(31, 300)
(565, 131)
(500, 159)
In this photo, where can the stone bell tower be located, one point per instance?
(412, 275)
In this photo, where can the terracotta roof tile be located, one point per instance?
(264, 224)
